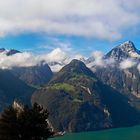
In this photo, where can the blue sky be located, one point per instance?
(41, 43)
(80, 26)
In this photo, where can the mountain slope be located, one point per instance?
(78, 101)
(127, 80)
(12, 88)
(34, 75)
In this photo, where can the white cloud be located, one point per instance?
(57, 43)
(127, 63)
(60, 58)
(18, 60)
(103, 19)
(138, 68)
(98, 60)
(56, 59)
(56, 55)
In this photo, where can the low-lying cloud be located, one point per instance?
(18, 60)
(127, 63)
(138, 67)
(57, 58)
(98, 60)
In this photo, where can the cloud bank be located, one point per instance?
(18, 60)
(102, 19)
(56, 59)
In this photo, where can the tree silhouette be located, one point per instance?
(18, 122)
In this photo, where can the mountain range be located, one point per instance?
(20, 82)
(79, 101)
(99, 92)
(124, 75)
(115, 87)
(35, 75)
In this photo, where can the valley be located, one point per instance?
(83, 95)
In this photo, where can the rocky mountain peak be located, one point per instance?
(124, 51)
(77, 66)
(9, 52)
(76, 63)
(127, 46)
(2, 50)
(12, 52)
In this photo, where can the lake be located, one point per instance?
(130, 133)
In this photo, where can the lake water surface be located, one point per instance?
(130, 133)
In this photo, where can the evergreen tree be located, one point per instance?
(17, 123)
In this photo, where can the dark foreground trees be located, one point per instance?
(18, 122)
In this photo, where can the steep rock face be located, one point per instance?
(78, 101)
(126, 82)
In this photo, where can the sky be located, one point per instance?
(79, 27)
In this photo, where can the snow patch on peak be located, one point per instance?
(129, 48)
(128, 42)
